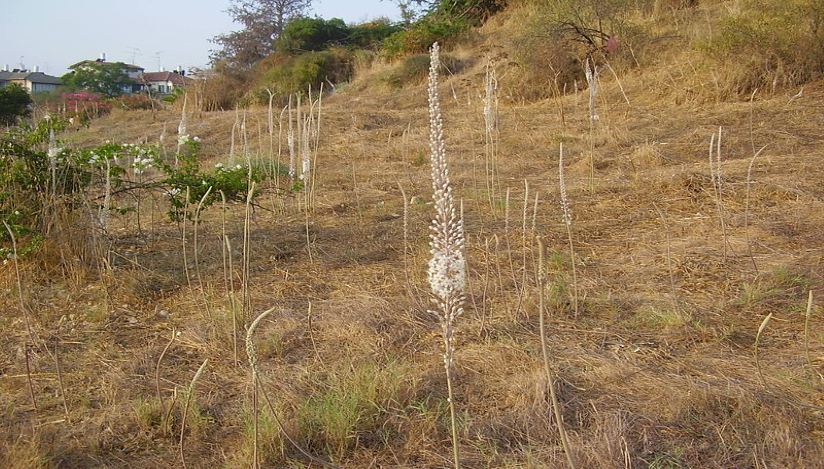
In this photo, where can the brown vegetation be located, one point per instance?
(656, 369)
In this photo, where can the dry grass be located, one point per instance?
(639, 384)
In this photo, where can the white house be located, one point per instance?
(164, 82)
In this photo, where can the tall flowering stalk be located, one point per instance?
(490, 101)
(568, 223)
(591, 72)
(447, 268)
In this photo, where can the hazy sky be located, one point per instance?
(54, 34)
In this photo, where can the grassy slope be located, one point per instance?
(360, 379)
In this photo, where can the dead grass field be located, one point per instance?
(649, 376)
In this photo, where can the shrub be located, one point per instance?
(312, 34)
(561, 35)
(298, 74)
(414, 69)
(134, 101)
(84, 106)
(15, 103)
(370, 35)
(418, 38)
(444, 24)
(771, 43)
(36, 176)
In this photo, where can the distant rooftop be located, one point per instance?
(104, 62)
(34, 77)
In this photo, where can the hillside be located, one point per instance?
(653, 318)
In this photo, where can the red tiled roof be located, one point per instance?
(175, 78)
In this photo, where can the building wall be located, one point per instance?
(42, 87)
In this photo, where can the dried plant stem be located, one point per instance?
(718, 183)
(315, 153)
(556, 408)
(232, 298)
(557, 94)
(747, 210)
(524, 246)
(247, 249)
(673, 290)
(312, 337)
(164, 424)
(196, 254)
(406, 249)
(224, 254)
(357, 194)
(512, 273)
(500, 274)
(29, 377)
(757, 342)
(186, 408)
(807, 335)
(105, 209)
(183, 240)
(306, 229)
(60, 379)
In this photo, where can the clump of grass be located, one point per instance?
(251, 353)
(352, 410)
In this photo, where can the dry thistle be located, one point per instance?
(447, 268)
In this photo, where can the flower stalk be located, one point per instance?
(447, 268)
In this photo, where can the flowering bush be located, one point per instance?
(133, 101)
(35, 173)
(187, 178)
(84, 106)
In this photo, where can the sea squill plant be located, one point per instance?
(447, 268)
(491, 120)
(591, 72)
(567, 218)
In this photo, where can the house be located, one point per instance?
(164, 82)
(33, 82)
(133, 71)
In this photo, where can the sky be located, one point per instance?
(154, 34)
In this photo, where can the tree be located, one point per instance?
(312, 34)
(14, 103)
(409, 13)
(478, 10)
(263, 22)
(108, 79)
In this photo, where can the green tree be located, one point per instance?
(14, 103)
(312, 34)
(263, 22)
(108, 79)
